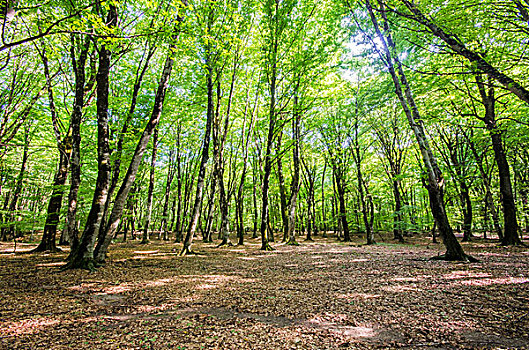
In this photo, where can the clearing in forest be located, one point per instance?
(319, 295)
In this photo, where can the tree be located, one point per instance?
(435, 181)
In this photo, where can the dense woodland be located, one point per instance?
(280, 119)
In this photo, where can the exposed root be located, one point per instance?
(267, 247)
(83, 264)
(186, 251)
(40, 249)
(446, 257)
(226, 243)
(292, 242)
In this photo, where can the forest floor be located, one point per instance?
(319, 295)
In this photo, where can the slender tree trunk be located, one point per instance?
(340, 188)
(207, 235)
(295, 184)
(167, 195)
(178, 220)
(83, 256)
(130, 176)
(435, 182)
(282, 188)
(195, 214)
(467, 213)
(48, 242)
(323, 203)
(397, 216)
(71, 233)
(64, 146)
(362, 187)
(240, 189)
(255, 209)
(148, 213)
(510, 234)
(19, 184)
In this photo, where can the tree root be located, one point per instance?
(267, 247)
(292, 242)
(83, 264)
(446, 257)
(186, 251)
(44, 250)
(225, 244)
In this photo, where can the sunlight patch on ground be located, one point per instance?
(28, 326)
(400, 289)
(217, 278)
(58, 263)
(356, 296)
(122, 288)
(334, 323)
(454, 275)
(145, 251)
(493, 281)
(87, 287)
(150, 256)
(206, 286)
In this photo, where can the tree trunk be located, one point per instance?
(435, 182)
(63, 144)
(152, 169)
(195, 214)
(71, 233)
(510, 234)
(340, 188)
(459, 47)
(282, 189)
(130, 176)
(362, 187)
(167, 195)
(207, 234)
(83, 256)
(397, 215)
(54, 207)
(178, 220)
(295, 184)
(18, 185)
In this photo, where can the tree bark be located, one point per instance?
(152, 169)
(83, 256)
(295, 184)
(64, 146)
(166, 196)
(195, 213)
(340, 188)
(18, 186)
(130, 176)
(71, 234)
(510, 234)
(435, 181)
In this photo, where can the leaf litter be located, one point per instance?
(319, 295)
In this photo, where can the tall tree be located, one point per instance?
(435, 181)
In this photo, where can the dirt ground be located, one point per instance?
(319, 295)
